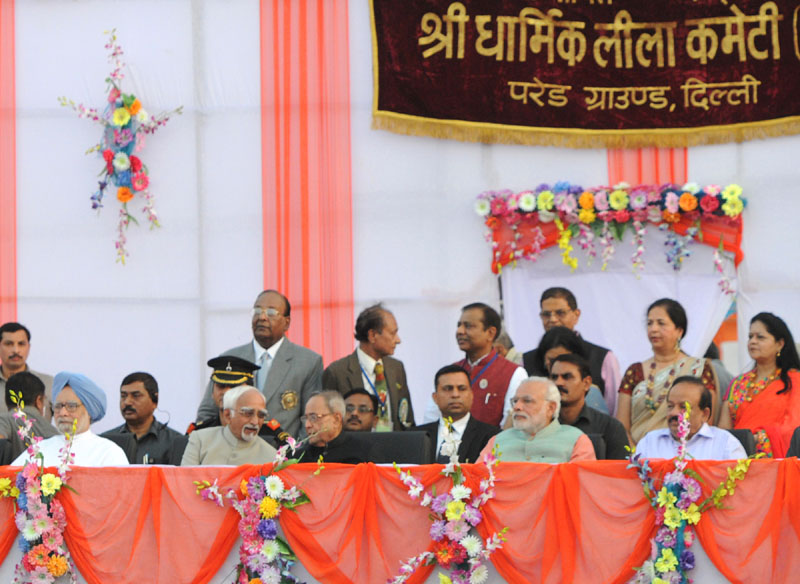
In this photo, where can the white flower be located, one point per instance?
(270, 550)
(271, 576)
(142, 116)
(479, 575)
(546, 216)
(29, 531)
(274, 486)
(527, 201)
(121, 161)
(450, 446)
(426, 500)
(482, 207)
(621, 186)
(460, 492)
(691, 187)
(472, 544)
(415, 491)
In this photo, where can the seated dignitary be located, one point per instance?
(227, 372)
(704, 442)
(537, 435)
(29, 390)
(77, 403)
(453, 395)
(236, 441)
(371, 367)
(323, 417)
(150, 441)
(288, 373)
(571, 375)
(360, 408)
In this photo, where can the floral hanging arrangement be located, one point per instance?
(264, 556)
(40, 517)
(454, 513)
(676, 500)
(125, 124)
(521, 225)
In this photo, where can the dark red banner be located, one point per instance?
(588, 73)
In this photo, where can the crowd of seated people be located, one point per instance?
(563, 401)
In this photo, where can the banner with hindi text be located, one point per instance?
(587, 73)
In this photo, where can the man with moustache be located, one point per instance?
(453, 396)
(288, 373)
(537, 435)
(150, 441)
(15, 346)
(360, 408)
(28, 388)
(77, 403)
(571, 375)
(704, 442)
(237, 441)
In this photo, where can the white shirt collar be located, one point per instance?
(272, 351)
(459, 426)
(367, 362)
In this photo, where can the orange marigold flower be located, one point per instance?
(688, 202)
(38, 555)
(243, 487)
(255, 581)
(671, 217)
(586, 200)
(124, 194)
(57, 565)
(492, 222)
(135, 107)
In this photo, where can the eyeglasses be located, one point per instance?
(525, 399)
(249, 412)
(70, 406)
(269, 312)
(313, 418)
(350, 408)
(560, 313)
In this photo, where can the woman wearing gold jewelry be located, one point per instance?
(641, 403)
(766, 399)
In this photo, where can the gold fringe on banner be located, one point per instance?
(580, 138)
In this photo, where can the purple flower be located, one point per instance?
(686, 560)
(666, 537)
(267, 529)
(691, 488)
(437, 530)
(255, 488)
(439, 504)
(471, 515)
(20, 481)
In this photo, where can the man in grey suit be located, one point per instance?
(289, 373)
(371, 368)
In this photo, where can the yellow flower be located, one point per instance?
(733, 191)
(50, 484)
(658, 580)
(587, 216)
(454, 510)
(14, 492)
(672, 517)
(665, 498)
(667, 562)
(269, 508)
(243, 487)
(545, 201)
(121, 117)
(443, 579)
(733, 207)
(57, 565)
(691, 514)
(618, 200)
(743, 466)
(5, 486)
(586, 200)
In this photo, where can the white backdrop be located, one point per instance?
(185, 294)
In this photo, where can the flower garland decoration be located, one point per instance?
(676, 500)
(463, 555)
(125, 124)
(264, 557)
(39, 516)
(603, 214)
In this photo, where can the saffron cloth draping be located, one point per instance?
(582, 522)
(8, 166)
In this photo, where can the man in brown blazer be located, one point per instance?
(371, 368)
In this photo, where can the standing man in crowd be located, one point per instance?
(453, 396)
(560, 308)
(227, 372)
(148, 440)
(289, 374)
(570, 373)
(360, 409)
(30, 389)
(15, 345)
(371, 368)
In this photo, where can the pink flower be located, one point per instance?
(654, 214)
(113, 95)
(601, 201)
(52, 539)
(639, 215)
(638, 199)
(140, 181)
(566, 202)
(605, 215)
(713, 189)
(499, 206)
(671, 202)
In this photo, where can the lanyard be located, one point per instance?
(482, 371)
(372, 386)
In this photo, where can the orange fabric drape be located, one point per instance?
(570, 523)
(306, 175)
(8, 166)
(648, 166)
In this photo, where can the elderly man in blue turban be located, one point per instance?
(77, 403)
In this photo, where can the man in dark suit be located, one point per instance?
(289, 374)
(371, 368)
(453, 395)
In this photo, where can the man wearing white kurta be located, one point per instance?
(78, 401)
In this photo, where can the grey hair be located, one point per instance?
(232, 396)
(504, 339)
(551, 392)
(333, 399)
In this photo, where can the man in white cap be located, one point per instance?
(78, 402)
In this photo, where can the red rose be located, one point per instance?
(136, 164)
(709, 203)
(108, 155)
(622, 216)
